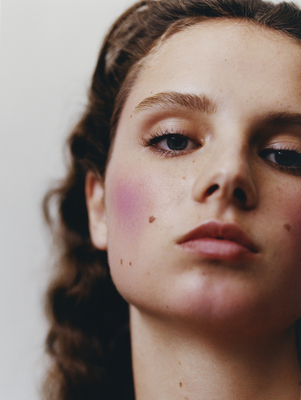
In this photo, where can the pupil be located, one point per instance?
(286, 158)
(177, 142)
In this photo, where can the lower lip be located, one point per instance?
(217, 249)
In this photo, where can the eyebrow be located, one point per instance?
(204, 104)
(188, 101)
(285, 118)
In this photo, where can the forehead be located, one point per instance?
(232, 46)
(231, 38)
(230, 61)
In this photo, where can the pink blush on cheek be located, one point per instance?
(129, 202)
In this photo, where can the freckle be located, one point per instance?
(180, 363)
(287, 227)
(151, 219)
(184, 177)
(193, 161)
(180, 383)
(130, 263)
(121, 261)
(131, 116)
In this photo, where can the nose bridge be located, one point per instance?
(226, 175)
(233, 161)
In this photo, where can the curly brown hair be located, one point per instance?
(88, 340)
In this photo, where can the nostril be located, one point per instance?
(211, 190)
(240, 195)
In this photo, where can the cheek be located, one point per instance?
(129, 208)
(292, 224)
(128, 203)
(293, 230)
(281, 216)
(287, 250)
(137, 211)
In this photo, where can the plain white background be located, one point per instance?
(48, 52)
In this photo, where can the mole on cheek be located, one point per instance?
(151, 219)
(287, 227)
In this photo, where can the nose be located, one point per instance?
(226, 177)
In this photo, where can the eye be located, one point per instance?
(176, 142)
(173, 143)
(285, 158)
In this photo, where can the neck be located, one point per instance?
(175, 363)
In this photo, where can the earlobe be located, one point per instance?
(94, 192)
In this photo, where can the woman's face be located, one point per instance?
(203, 189)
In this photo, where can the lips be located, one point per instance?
(218, 240)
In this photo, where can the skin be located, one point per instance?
(229, 315)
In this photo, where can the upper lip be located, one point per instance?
(220, 230)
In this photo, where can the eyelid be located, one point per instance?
(288, 146)
(279, 140)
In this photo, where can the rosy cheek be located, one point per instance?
(129, 203)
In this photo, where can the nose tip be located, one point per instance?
(230, 188)
(239, 194)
